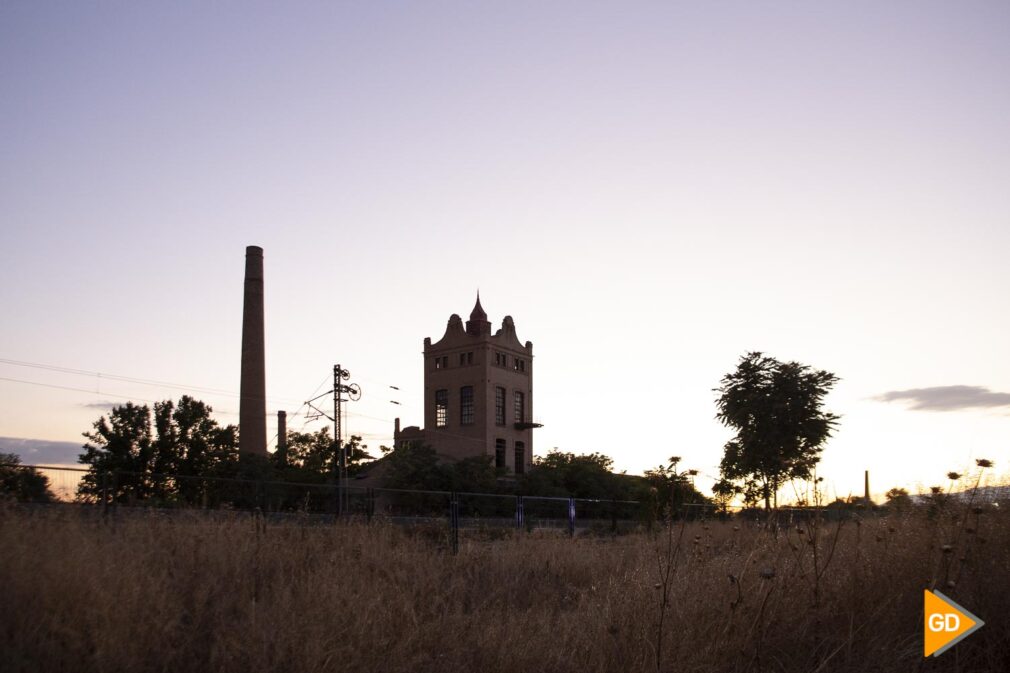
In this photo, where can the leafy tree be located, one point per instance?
(137, 459)
(672, 489)
(24, 484)
(475, 474)
(776, 410)
(898, 499)
(723, 493)
(121, 445)
(415, 466)
(560, 473)
(312, 457)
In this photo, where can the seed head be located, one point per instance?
(983, 462)
(953, 476)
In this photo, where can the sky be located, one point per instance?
(651, 190)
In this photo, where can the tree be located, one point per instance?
(559, 473)
(135, 459)
(776, 410)
(24, 484)
(119, 445)
(672, 488)
(898, 499)
(311, 456)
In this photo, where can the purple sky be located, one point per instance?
(651, 190)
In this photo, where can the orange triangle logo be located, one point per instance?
(946, 624)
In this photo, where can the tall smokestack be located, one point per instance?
(866, 485)
(252, 410)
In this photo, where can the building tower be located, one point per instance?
(252, 409)
(478, 394)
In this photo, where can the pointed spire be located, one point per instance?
(478, 323)
(478, 311)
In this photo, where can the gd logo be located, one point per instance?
(946, 624)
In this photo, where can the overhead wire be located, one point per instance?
(129, 379)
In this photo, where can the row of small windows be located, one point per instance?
(465, 359)
(500, 447)
(502, 360)
(442, 361)
(466, 406)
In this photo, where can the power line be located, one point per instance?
(128, 379)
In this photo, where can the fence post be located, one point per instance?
(571, 517)
(520, 514)
(105, 493)
(454, 522)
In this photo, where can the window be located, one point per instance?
(520, 457)
(499, 405)
(442, 362)
(520, 407)
(462, 359)
(500, 359)
(466, 358)
(466, 405)
(499, 453)
(441, 408)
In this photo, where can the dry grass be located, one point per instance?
(192, 593)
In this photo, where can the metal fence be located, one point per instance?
(455, 514)
(447, 515)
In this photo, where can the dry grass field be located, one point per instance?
(147, 592)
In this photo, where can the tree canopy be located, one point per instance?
(161, 455)
(776, 410)
(23, 484)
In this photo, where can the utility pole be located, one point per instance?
(340, 457)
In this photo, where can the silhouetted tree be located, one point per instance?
(133, 458)
(560, 473)
(23, 484)
(775, 409)
(415, 466)
(312, 457)
(475, 474)
(898, 499)
(672, 489)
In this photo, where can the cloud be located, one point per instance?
(104, 406)
(42, 451)
(947, 398)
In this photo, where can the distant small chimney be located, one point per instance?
(282, 437)
(396, 427)
(866, 485)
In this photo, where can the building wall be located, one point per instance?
(466, 356)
